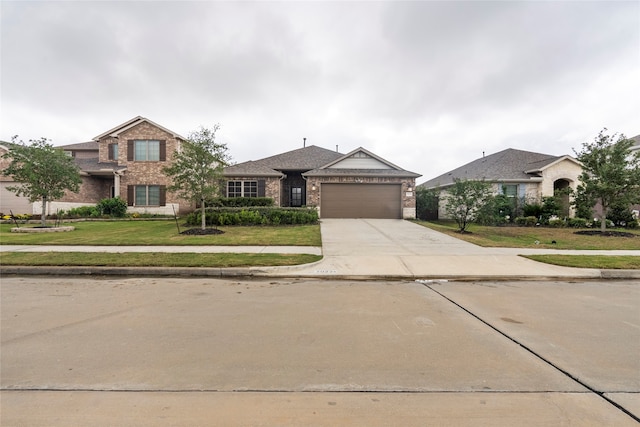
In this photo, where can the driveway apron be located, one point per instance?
(402, 249)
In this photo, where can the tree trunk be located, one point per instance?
(603, 220)
(43, 215)
(203, 219)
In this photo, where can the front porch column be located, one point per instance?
(116, 184)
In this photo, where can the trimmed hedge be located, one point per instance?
(255, 216)
(239, 202)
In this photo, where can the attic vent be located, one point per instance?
(360, 154)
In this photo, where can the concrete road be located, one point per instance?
(140, 351)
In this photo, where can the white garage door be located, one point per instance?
(361, 201)
(9, 202)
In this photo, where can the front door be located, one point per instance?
(296, 196)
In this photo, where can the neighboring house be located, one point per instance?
(354, 185)
(9, 201)
(521, 175)
(126, 161)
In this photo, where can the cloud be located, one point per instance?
(427, 85)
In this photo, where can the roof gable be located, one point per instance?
(135, 122)
(360, 159)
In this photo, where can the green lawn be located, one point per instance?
(151, 233)
(139, 259)
(526, 237)
(590, 261)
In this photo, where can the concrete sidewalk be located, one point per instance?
(360, 249)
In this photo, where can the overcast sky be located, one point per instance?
(426, 85)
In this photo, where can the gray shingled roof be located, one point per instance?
(362, 172)
(306, 158)
(251, 168)
(509, 164)
(81, 146)
(301, 159)
(93, 165)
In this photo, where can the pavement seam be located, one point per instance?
(534, 353)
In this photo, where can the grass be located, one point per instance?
(161, 233)
(526, 237)
(154, 259)
(590, 261)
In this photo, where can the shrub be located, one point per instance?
(83, 212)
(557, 223)
(596, 223)
(621, 216)
(258, 215)
(115, 207)
(526, 221)
(532, 209)
(577, 223)
(240, 202)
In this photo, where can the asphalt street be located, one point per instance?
(108, 351)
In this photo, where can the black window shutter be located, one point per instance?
(163, 151)
(261, 188)
(163, 195)
(130, 150)
(130, 195)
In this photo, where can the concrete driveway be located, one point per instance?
(385, 248)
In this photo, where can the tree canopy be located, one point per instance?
(196, 169)
(41, 171)
(611, 173)
(465, 198)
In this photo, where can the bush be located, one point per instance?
(258, 215)
(596, 223)
(557, 223)
(526, 221)
(532, 209)
(83, 212)
(621, 216)
(240, 202)
(115, 207)
(577, 223)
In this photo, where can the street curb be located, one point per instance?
(264, 272)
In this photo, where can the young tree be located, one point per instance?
(41, 172)
(465, 199)
(611, 173)
(197, 168)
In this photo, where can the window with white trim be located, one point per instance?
(147, 195)
(242, 189)
(146, 150)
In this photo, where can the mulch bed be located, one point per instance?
(605, 234)
(201, 232)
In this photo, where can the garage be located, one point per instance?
(361, 201)
(9, 202)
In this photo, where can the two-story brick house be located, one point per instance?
(127, 161)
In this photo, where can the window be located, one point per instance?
(147, 195)
(250, 189)
(510, 190)
(113, 151)
(245, 189)
(234, 189)
(296, 196)
(146, 150)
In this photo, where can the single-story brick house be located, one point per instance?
(522, 175)
(358, 184)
